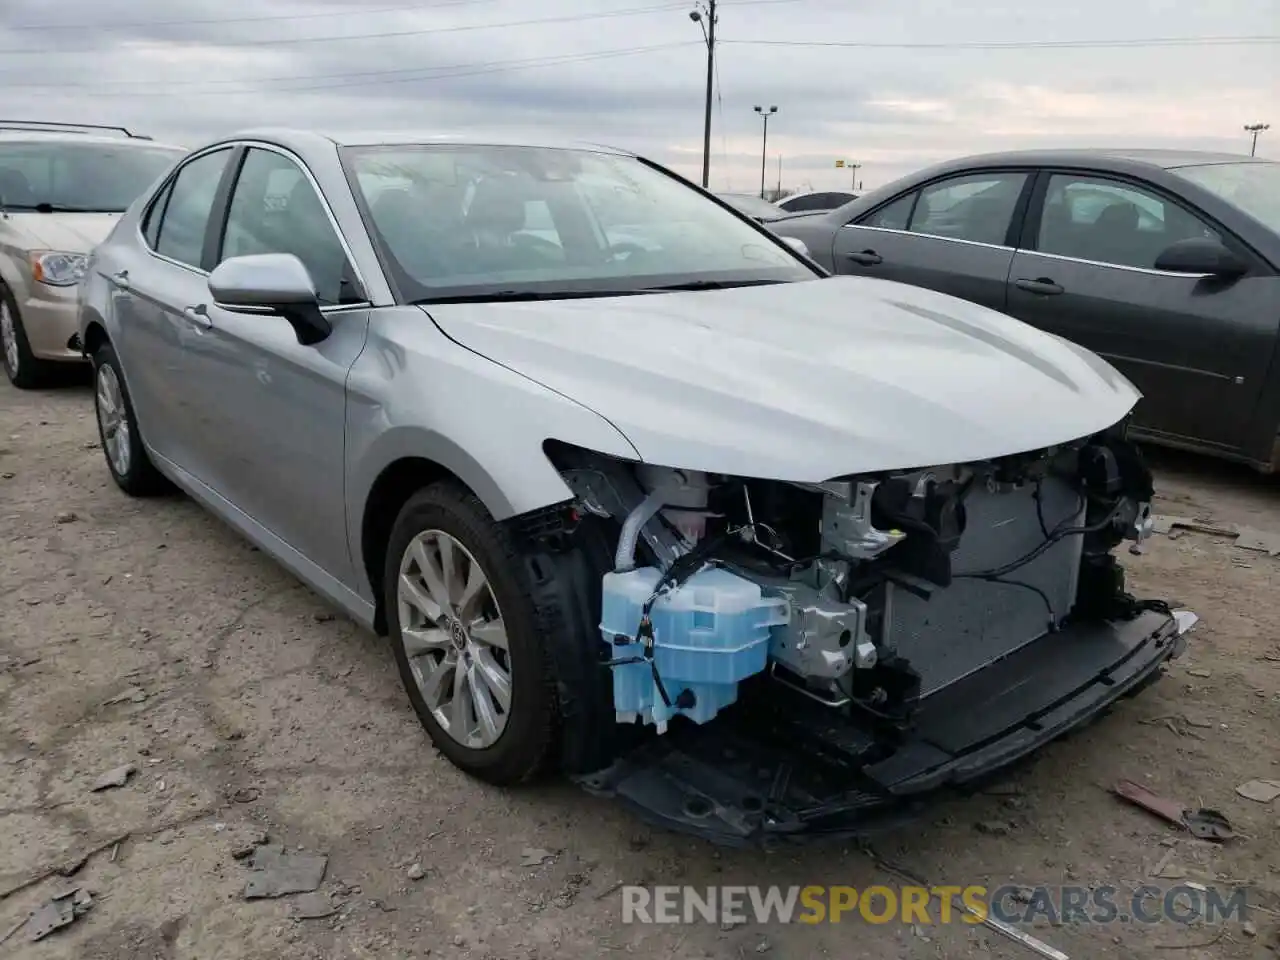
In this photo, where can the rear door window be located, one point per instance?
(186, 215)
(977, 207)
(892, 216)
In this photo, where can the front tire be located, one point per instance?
(122, 447)
(24, 370)
(463, 630)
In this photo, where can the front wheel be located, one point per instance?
(462, 626)
(24, 370)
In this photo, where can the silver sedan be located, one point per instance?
(615, 467)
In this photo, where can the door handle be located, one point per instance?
(1042, 286)
(198, 314)
(868, 258)
(119, 280)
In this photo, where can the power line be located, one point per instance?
(1016, 44)
(390, 34)
(216, 21)
(452, 72)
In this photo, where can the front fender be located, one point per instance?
(414, 393)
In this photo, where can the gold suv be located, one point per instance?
(62, 189)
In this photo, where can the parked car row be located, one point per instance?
(1165, 263)
(636, 490)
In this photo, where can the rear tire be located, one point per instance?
(457, 640)
(24, 370)
(131, 468)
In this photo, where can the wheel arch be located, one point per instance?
(411, 458)
(391, 489)
(95, 332)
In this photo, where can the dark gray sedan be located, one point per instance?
(1165, 263)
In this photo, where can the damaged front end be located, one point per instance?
(776, 659)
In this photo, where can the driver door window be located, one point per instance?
(1112, 222)
(275, 209)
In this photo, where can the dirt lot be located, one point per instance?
(146, 633)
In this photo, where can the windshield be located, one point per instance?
(752, 206)
(480, 222)
(58, 175)
(1253, 186)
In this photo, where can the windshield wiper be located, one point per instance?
(515, 296)
(68, 208)
(712, 285)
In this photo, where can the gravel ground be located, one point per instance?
(146, 633)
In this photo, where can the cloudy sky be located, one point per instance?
(891, 85)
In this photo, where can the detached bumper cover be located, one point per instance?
(780, 766)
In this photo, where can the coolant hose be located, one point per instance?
(625, 558)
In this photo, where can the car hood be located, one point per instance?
(803, 381)
(67, 232)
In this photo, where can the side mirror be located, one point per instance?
(799, 246)
(1201, 255)
(271, 283)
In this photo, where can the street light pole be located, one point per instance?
(1255, 129)
(708, 24)
(853, 177)
(764, 147)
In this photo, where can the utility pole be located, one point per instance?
(778, 196)
(1255, 129)
(705, 16)
(853, 176)
(764, 147)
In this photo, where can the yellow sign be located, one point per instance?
(839, 163)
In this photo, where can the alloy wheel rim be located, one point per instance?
(9, 337)
(112, 419)
(454, 639)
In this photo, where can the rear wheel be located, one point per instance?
(126, 457)
(463, 631)
(21, 366)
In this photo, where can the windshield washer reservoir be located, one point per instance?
(709, 634)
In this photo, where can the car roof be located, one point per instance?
(304, 139)
(810, 193)
(1109, 156)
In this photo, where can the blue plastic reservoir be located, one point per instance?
(709, 635)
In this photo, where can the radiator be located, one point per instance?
(968, 625)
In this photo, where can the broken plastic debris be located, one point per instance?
(114, 778)
(58, 912)
(534, 857)
(1262, 791)
(1259, 540)
(132, 695)
(1166, 525)
(1202, 823)
(276, 873)
(1185, 619)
